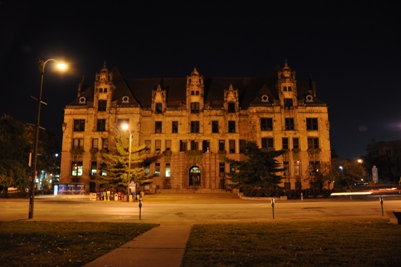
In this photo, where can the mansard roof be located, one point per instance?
(250, 90)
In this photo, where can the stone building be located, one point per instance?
(199, 120)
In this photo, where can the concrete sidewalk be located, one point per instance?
(161, 246)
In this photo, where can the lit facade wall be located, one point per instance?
(211, 116)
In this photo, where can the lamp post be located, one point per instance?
(42, 65)
(126, 127)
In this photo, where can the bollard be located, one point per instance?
(273, 207)
(381, 203)
(140, 208)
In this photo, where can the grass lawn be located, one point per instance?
(312, 243)
(36, 243)
(308, 243)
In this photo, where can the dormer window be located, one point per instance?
(102, 104)
(231, 107)
(158, 108)
(265, 98)
(82, 100)
(125, 99)
(288, 103)
(309, 98)
(194, 107)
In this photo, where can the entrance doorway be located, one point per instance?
(194, 176)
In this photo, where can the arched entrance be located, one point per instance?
(194, 176)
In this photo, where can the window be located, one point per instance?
(296, 168)
(158, 108)
(311, 124)
(101, 125)
(222, 169)
(288, 103)
(105, 143)
(284, 142)
(95, 143)
(102, 104)
(232, 168)
(79, 125)
(313, 167)
(313, 142)
(267, 143)
(194, 145)
(242, 144)
(167, 170)
(158, 145)
(231, 107)
(93, 169)
(157, 169)
(158, 126)
(231, 126)
(148, 146)
(167, 145)
(266, 124)
(183, 145)
(146, 166)
(215, 126)
(295, 142)
(289, 124)
(286, 167)
(194, 126)
(287, 186)
(298, 185)
(77, 143)
(287, 88)
(222, 145)
(174, 127)
(205, 146)
(76, 168)
(231, 145)
(194, 107)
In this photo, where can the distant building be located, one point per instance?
(387, 157)
(210, 117)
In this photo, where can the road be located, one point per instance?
(189, 209)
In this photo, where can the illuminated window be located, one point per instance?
(168, 171)
(76, 168)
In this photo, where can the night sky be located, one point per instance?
(352, 50)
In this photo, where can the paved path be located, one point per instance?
(161, 246)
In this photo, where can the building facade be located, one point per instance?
(192, 123)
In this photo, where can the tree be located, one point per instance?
(347, 174)
(115, 165)
(259, 170)
(14, 154)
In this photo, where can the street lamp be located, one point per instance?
(126, 128)
(42, 65)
